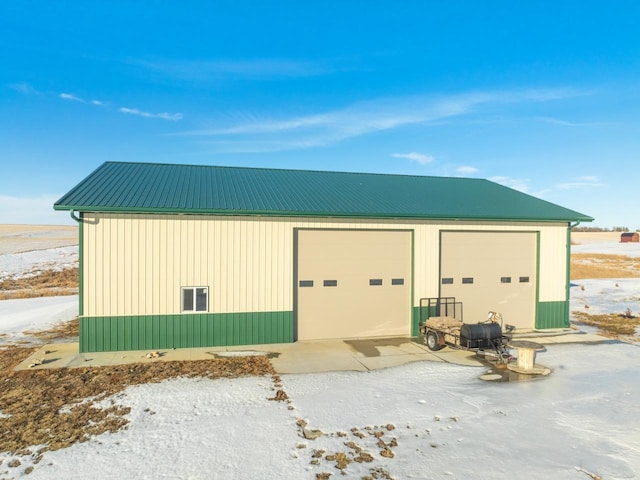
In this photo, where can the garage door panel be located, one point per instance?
(364, 301)
(502, 266)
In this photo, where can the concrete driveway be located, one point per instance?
(299, 357)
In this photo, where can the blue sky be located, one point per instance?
(541, 96)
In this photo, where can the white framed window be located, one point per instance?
(194, 299)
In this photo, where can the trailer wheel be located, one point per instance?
(432, 341)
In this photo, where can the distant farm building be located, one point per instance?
(191, 256)
(630, 237)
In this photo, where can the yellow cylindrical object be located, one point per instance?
(526, 358)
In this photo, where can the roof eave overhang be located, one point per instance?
(281, 213)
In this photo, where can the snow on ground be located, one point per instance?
(26, 238)
(609, 248)
(606, 295)
(447, 422)
(28, 263)
(18, 316)
(603, 242)
(28, 249)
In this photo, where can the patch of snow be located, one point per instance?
(445, 420)
(21, 315)
(609, 295)
(36, 261)
(630, 249)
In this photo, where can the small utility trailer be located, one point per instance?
(442, 326)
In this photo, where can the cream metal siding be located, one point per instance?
(353, 307)
(553, 264)
(136, 264)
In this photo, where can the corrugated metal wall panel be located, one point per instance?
(553, 264)
(151, 332)
(136, 264)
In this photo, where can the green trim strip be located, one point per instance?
(81, 267)
(145, 332)
(568, 270)
(536, 304)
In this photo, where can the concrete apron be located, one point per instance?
(300, 357)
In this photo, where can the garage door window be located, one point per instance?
(195, 299)
(505, 279)
(306, 283)
(330, 283)
(375, 281)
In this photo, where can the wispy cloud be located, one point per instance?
(163, 115)
(416, 157)
(27, 89)
(362, 118)
(589, 181)
(566, 123)
(24, 88)
(466, 170)
(520, 184)
(261, 68)
(69, 96)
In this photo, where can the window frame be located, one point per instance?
(194, 299)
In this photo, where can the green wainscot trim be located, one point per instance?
(415, 322)
(154, 332)
(418, 315)
(552, 315)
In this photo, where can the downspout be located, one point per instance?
(80, 222)
(77, 219)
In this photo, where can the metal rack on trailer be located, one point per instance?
(442, 325)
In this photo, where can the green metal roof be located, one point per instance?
(161, 188)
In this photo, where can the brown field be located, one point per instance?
(46, 284)
(24, 238)
(592, 265)
(612, 325)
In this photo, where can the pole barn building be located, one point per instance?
(190, 256)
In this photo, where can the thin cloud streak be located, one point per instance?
(578, 184)
(416, 157)
(24, 88)
(265, 68)
(466, 170)
(69, 96)
(565, 123)
(367, 117)
(140, 113)
(27, 89)
(519, 184)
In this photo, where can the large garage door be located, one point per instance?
(491, 271)
(353, 283)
